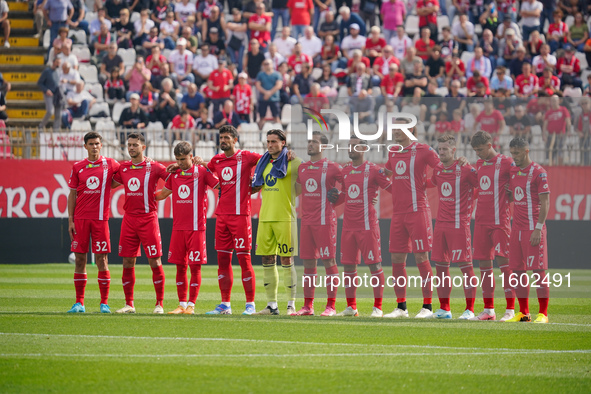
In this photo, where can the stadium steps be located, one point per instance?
(21, 66)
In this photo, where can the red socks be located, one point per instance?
(444, 289)
(522, 292)
(350, 289)
(195, 282)
(470, 284)
(158, 279)
(543, 292)
(181, 282)
(331, 291)
(225, 274)
(80, 285)
(426, 274)
(487, 279)
(309, 276)
(509, 291)
(248, 280)
(128, 280)
(104, 281)
(378, 291)
(399, 271)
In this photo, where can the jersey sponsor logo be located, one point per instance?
(184, 191)
(227, 173)
(270, 180)
(446, 189)
(133, 184)
(311, 185)
(519, 194)
(400, 167)
(92, 183)
(353, 191)
(484, 183)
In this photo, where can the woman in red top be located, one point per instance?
(330, 52)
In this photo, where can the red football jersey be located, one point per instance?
(295, 62)
(422, 46)
(442, 127)
(360, 186)
(432, 17)
(317, 179)
(261, 36)
(493, 201)
(490, 122)
(390, 83)
(233, 170)
(410, 175)
(189, 197)
(554, 82)
(92, 182)
(556, 119)
(384, 64)
(527, 85)
(221, 79)
(455, 185)
(378, 46)
(573, 62)
(140, 181)
(179, 124)
(243, 94)
(527, 184)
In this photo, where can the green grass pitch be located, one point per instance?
(42, 349)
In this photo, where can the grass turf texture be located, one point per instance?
(44, 349)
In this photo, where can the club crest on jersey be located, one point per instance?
(484, 183)
(270, 180)
(519, 194)
(446, 189)
(311, 185)
(227, 173)
(353, 191)
(92, 182)
(133, 184)
(183, 191)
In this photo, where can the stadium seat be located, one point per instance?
(296, 113)
(81, 125)
(90, 16)
(82, 53)
(166, 53)
(88, 73)
(343, 91)
(573, 92)
(583, 59)
(286, 114)
(46, 38)
(316, 73)
(96, 90)
(118, 109)
(155, 131)
(442, 91)
(128, 56)
(78, 37)
(134, 17)
(160, 150)
(466, 57)
(412, 25)
(96, 109)
(570, 20)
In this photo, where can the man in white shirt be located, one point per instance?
(275, 56)
(78, 103)
(543, 60)
(181, 63)
(285, 43)
(463, 32)
(480, 63)
(311, 44)
(352, 41)
(69, 77)
(400, 42)
(67, 56)
(204, 64)
(530, 16)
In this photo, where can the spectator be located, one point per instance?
(393, 13)
(415, 84)
(457, 125)
(78, 103)
(392, 83)
(69, 77)
(260, 26)
(455, 70)
(214, 23)
(95, 25)
(57, 14)
(254, 59)
(527, 84)
(311, 45)
(327, 81)
(148, 100)
(508, 23)
(220, 83)
(227, 116)
(349, 18)
(530, 13)
(143, 27)
(204, 64)
(193, 101)
(205, 10)
(154, 62)
(301, 12)
(301, 84)
(164, 74)
(578, 33)
(480, 63)
(110, 61)
(150, 41)
(520, 124)
(448, 44)
(548, 8)
(473, 82)
(183, 10)
(192, 42)
(424, 44)
(169, 30)
(442, 126)
(237, 39)
(543, 60)
(407, 63)
(321, 7)
(363, 105)
(167, 108)
(202, 123)
(77, 20)
(268, 84)
(583, 126)
(242, 96)
(435, 67)
(296, 60)
(382, 64)
(587, 88)
(139, 5)
(570, 7)
(374, 44)
(286, 78)
(550, 83)
(490, 47)
(557, 121)
(285, 44)
(491, 120)
(136, 76)
(280, 10)
(352, 41)
(182, 123)
(3, 114)
(113, 8)
(125, 30)
(330, 27)
(250, 8)
(101, 44)
(160, 10)
(569, 68)
(487, 15)
(509, 48)
(470, 124)
(274, 56)
(587, 50)
(400, 42)
(114, 86)
(330, 53)
(61, 41)
(534, 45)
(454, 99)
(181, 63)
(49, 83)
(516, 65)
(427, 11)
(463, 32)
(557, 32)
(133, 117)
(39, 17)
(501, 80)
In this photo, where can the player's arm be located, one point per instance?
(71, 208)
(536, 236)
(162, 194)
(115, 184)
(298, 189)
(509, 192)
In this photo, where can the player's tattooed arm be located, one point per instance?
(162, 194)
(71, 209)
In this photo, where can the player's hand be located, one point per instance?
(148, 159)
(172, 168)
(255, 189)
(374, 201)
(291, 155)
(333, 195)
(72, 230)
(462, 161)
(535, 238)
(198, 161)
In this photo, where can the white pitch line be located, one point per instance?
(271, 341)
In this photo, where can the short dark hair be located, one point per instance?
(92, 135)
(481, 137)
(138, 136)
(229, 129)
(279, 133)
(450, 139)
(354, 137)
(323, 138)
(183, 148)
(519, 142)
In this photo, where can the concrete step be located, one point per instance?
(21, 42)
(26, 104)
(21, 23)
(21, 15)
(21, 76)
(14, 122)
(23, 67)
(24, 86)
(20, 6)
(30, 114)
(36, 50)
(18, 60)
(18, 95)
(23, 31)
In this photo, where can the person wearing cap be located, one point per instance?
(132, 117)
(543, 60)
(181, 62)
(349, 18)
(463, 32)
(242, 96)
(220, 83)
(516, 64)
(569, 68)
(530, 13)
(216, 44)
(301, 12)
(352, 41)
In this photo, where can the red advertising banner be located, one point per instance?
(36, 189)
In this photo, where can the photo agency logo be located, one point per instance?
(394, 121)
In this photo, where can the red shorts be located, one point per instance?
(233, 232)
(411, 232)
(451, 245)
(187, 246)
(318, 242)
(491, 241)
(98, 230)
(142, 229)
(362, 243)
(523, 256)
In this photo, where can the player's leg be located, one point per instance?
(129, 249)
(421, 233)
(400, 246)
(101, 246)
(483, 252)
(159, 281)
(332, 274)
(149, 234)
(80, 248)
(369, 242)
(517, 263)
(501, 242)
(441, 256)
(196, 245)
(540, 266)
(377, 283)
(177, 255)
(286, 235)
(460, 244)
(243, 245)
(266, 247)
(224, 247)
(309, 254)
(350, 258)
